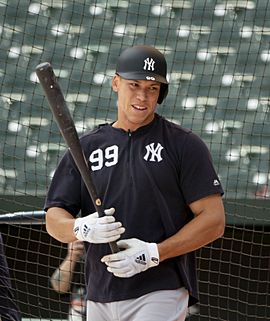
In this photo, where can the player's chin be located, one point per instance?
(141, 118)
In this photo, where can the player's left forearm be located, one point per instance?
(207, 226)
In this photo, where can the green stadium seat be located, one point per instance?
(217, 56)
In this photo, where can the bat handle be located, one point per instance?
(114, 248)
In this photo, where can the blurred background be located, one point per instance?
(218, 56)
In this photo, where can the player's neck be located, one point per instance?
(130, 126)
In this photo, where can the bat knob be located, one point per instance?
(43, 66)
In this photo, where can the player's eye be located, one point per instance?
(153, 88)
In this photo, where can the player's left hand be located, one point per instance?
(135, 256)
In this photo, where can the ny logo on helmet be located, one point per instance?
(149, 64)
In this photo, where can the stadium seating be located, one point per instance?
(217, 58)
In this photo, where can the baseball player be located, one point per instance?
(162, 198)
(68, 279)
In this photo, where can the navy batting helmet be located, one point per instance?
(144, 63)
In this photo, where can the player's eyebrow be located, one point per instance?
(151, 83)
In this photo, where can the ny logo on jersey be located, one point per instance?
(153, 153)
(149, 64)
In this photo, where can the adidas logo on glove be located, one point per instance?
(141, 259)
(86, 230)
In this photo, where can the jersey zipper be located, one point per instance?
(130, 156)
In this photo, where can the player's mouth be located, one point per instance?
(138, 107)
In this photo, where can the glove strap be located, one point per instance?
(154, 255)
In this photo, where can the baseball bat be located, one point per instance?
(68, 130)
(28, 217)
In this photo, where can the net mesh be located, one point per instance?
(218, 58)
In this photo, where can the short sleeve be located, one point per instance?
(64, 190)
(198, 177)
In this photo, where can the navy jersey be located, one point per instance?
(149, 176)
(8, 309)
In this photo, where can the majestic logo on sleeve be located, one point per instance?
(149, 64)
(153, 152)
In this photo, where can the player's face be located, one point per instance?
(137, 102)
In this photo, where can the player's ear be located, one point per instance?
(115, 82)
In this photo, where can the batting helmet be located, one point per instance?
(144, 63)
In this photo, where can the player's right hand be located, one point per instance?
(95, 229)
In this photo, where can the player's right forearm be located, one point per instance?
(59, 224)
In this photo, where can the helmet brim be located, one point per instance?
(142, 76)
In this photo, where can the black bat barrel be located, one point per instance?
(68, 130)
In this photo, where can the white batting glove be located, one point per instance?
(135, 256)
(95, 229)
